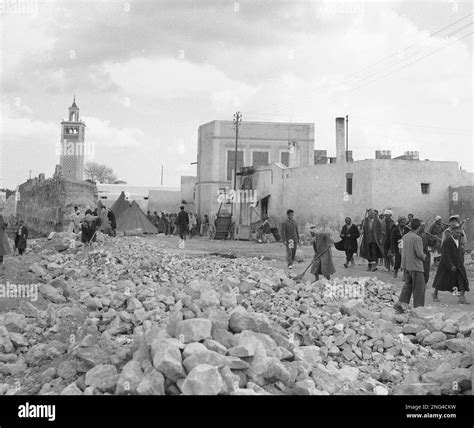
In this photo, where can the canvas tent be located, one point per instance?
(134, 218)
(120, 205)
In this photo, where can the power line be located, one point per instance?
(410, 63)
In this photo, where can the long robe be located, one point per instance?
(324, 265)
(446, 279)
(349, 243)
(4, 245)
(377, 232)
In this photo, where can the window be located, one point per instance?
(259, 158)
(103, 197)
(425, 188)
(285, 158)
(349, 183)
(231, 162)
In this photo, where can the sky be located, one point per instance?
(147, 74)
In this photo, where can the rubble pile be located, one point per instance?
(136, 319)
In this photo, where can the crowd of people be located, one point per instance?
(405, 245)
(180, 224)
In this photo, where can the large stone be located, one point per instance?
(130, 378)
(460, 345)
(103, 377)
(241, 320)
(466, 328)
(37, 270)
(14, 322)
(412, 328)
(417, 388)
(51, 293)
(215, 346)
(193, 330)
(167, 359)
(203, 380)
(205, 357)
(326, 381)
(224, 337)
(71, 389)
(434, 337)
(209, 298)
(6, 345)
(350, 307)
(309, 354)
(446, 376)
(67, 370)
(193, 348)
(152, 383)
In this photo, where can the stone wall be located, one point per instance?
(46, 205)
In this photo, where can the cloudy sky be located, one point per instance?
(147, 74)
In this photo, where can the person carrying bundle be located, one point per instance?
(323, 265)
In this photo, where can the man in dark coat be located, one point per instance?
(412, 265)
(349, 234)
(388, 258)
(371, 248)
(398, 231)
(451, 273)
(428, 241)
(112, 220)
(437, 229)
(21, 238)
(290, 237)
(182, 222)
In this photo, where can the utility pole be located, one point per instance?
(237, 120)
(347, 138)
(30, 173)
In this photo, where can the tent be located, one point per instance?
(134, 218)
(120, 205)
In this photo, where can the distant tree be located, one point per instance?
(99, 173)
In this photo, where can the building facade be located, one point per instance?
(71, 157)
(259, 145)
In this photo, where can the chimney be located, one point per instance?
(294, 154)
(340, 140)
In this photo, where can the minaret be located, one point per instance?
(72, 144)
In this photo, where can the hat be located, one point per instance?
(88, 217)
(312, 226)
(438, 217)
(388, 212)
(454, 217)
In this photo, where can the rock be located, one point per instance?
(67, 370)
(51, 293)
(167, 359)
(152, 383)
(203, 380)
(129, 379)
(103, 377)
(205, 357)
(241, 320)
(37, 270)
(412, 328)
(434, 337)
(92, 356)
(448, 376)
(242, 351)
(350, 307)
(326, 381)
(417, 388)
(193, 330)
(71, 389)
(235, 363)
(223, 337)
(449, 328)
(215, 346)
(18, 340)
(421, 335)
(6, 345)
(28, 309)
(309, 354)
(459, 345)
(380, 390)
(193, 348)
(466, 328)
(209, 298)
